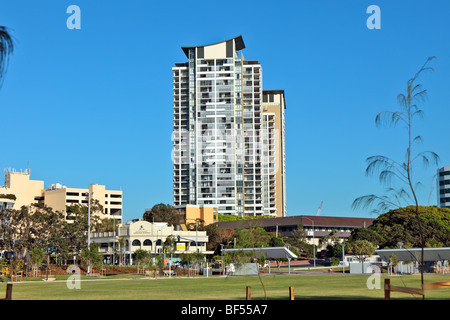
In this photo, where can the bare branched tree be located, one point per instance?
(402, 172)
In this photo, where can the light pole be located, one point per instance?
(88, 194)
(314, 241)
(221, 251)
(343, 258)
(401, 266)
(89, 220)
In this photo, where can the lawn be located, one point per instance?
(221, 288)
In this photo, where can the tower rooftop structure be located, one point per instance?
(238, 45)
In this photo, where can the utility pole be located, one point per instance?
(89, 227)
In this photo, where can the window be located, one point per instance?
(136, 243)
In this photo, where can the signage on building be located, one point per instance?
(181, 246)
(141, 230)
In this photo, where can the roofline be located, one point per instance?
(238, 40)
(277, 92)
(295, 220)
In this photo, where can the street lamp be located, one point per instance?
(88, 194)
(314, 240)
(221, 250)
(400, 244)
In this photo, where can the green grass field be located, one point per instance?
(221, 288)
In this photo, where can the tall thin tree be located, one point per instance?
(389, 169)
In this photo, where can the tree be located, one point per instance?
(6, 49)
(402, 172)
(362, 249)
(140, 257)
(401, 225)
(276, 242)
(367, 234)
(298, 240)
(90, 256)
(170, 244)
(217, 236)
(393, 260)
(252, 238)
(36, 257)
(34, 226)
(163, 213)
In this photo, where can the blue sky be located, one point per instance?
(95, 105)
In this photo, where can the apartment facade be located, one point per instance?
(224, 145)
(443, 187)
(58, 196)
(19, 190)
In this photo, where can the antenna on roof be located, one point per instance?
(320, 208)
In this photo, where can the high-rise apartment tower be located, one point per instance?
(444, 187)
(228, 133)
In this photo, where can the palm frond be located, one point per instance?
(382, 163)
(427, 157)
(6, 49)
(389, 118)
(378, 203)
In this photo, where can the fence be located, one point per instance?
(248, 293)
(388, 288)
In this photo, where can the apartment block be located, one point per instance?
(19, 190)
(58, 196)
(226, 140)
(443, 187)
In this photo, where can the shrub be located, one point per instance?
(335, 261)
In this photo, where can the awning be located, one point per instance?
(269, 252)
(193, 239)
(414, 254)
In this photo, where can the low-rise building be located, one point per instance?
(58, 196)
(19, 185)
(316, 227)
(19, 190)
(137, 234)
(191, 213)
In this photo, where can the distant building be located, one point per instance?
(444, 187)
(316, 227)
(20, 191)
(140, 234)
(58, 197)
(190, 213)
(18, 183)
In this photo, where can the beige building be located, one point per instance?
(273, 106)
(58, 197)
(18, 185)
(140, 234)
(190, 213)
